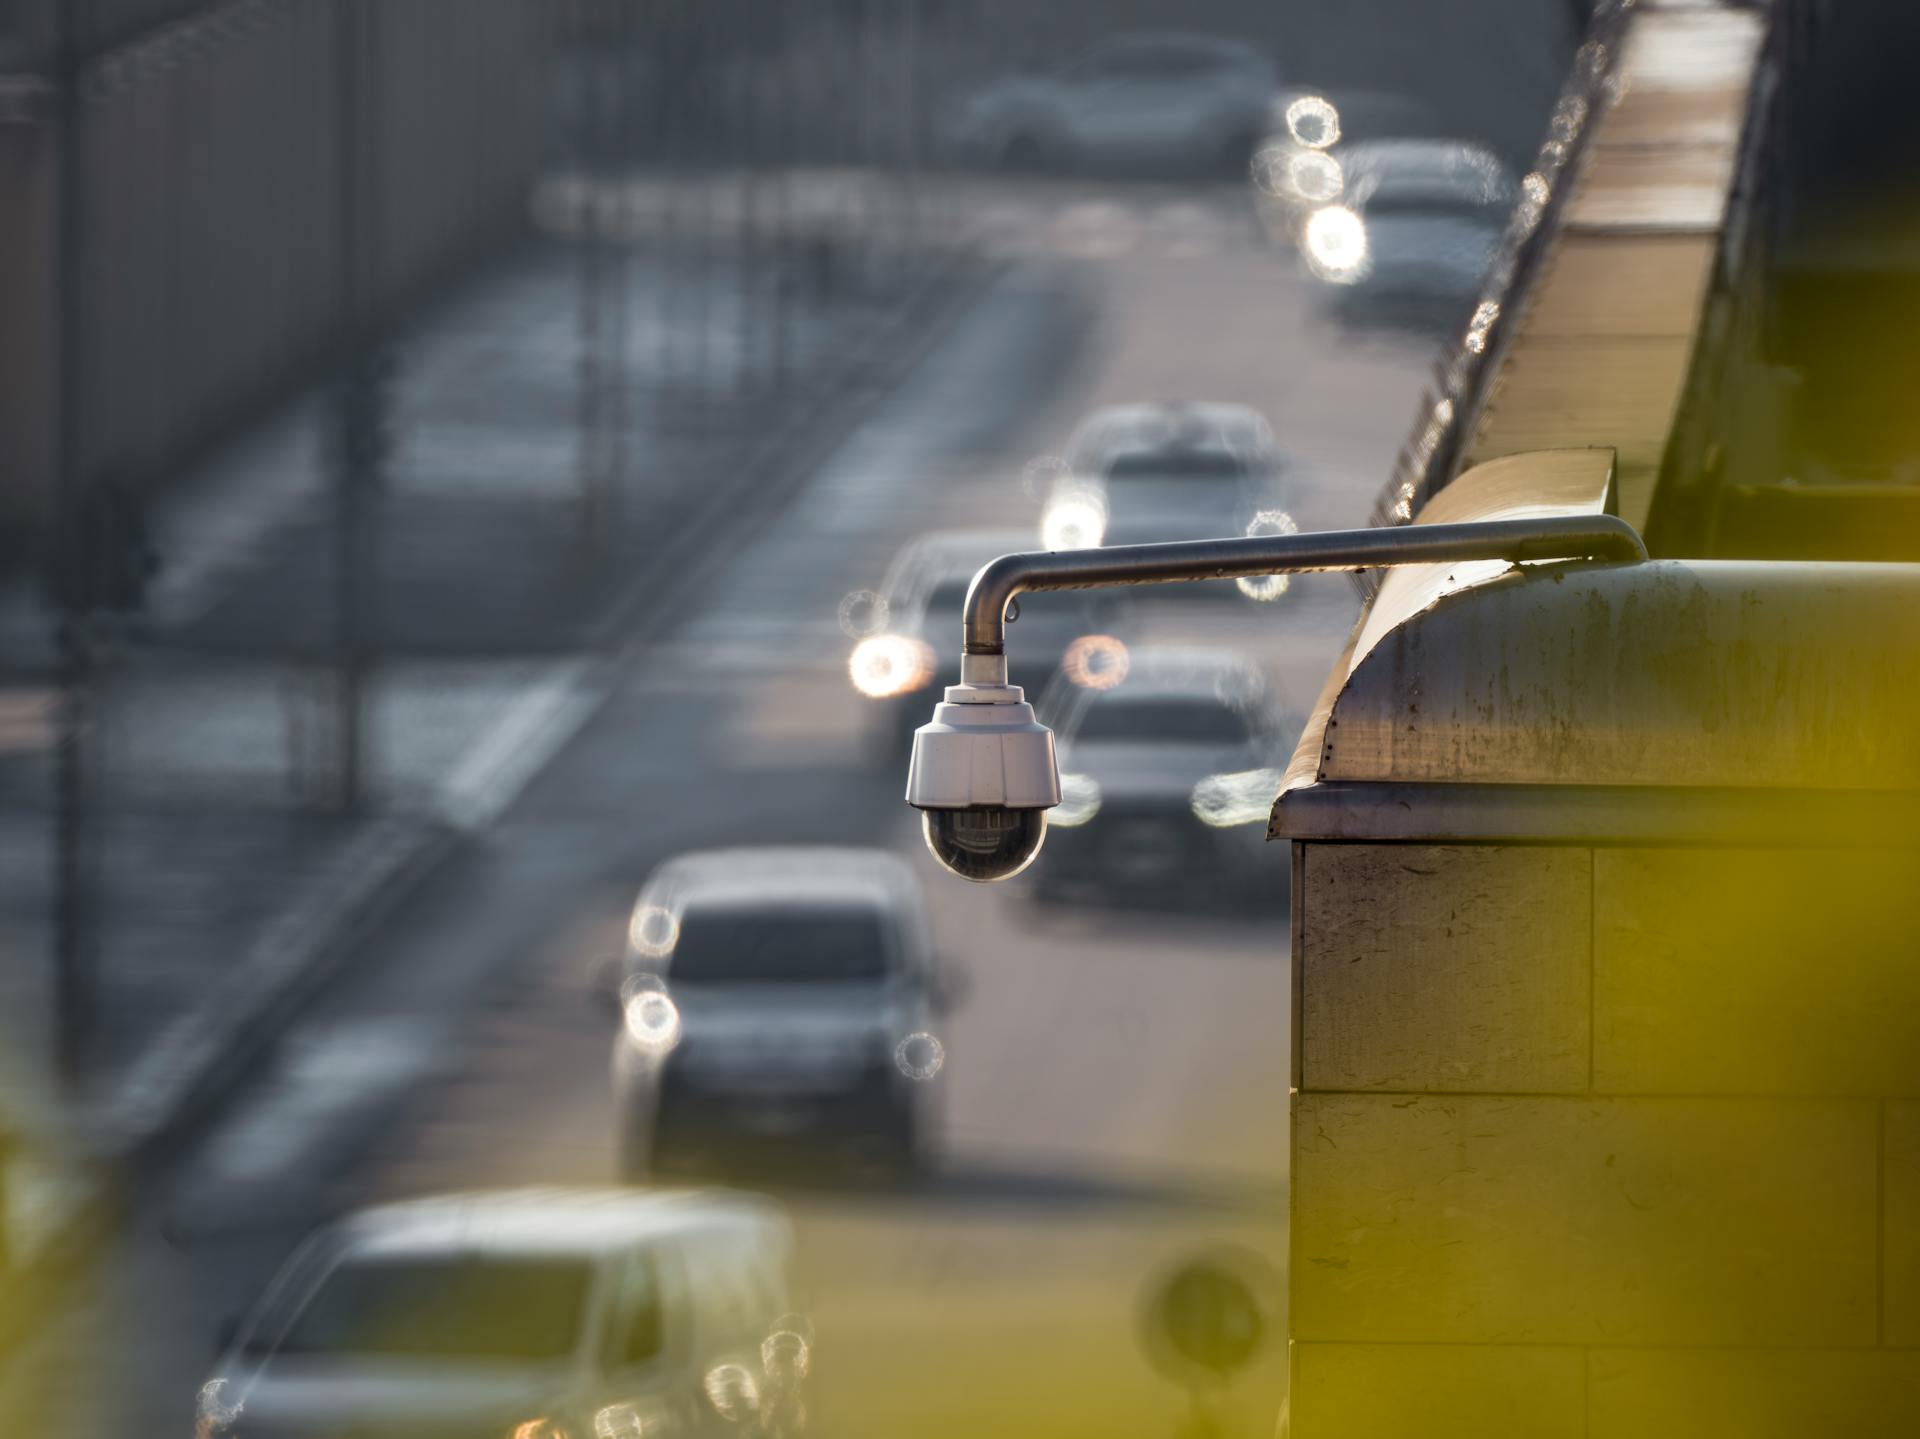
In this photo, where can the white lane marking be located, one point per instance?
(324, 1080)
(497, 767)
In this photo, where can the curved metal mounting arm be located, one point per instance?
(1558, 537)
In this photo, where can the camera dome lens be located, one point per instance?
(987, 842)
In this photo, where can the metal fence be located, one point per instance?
(208, 252)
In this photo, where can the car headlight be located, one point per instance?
(652, 1019)
(1096, 662)
(883, 666)
(1315, 176)
(1079, 801)
(1336, 245)
(216, 1409)
(732, 1391)
(1076, 520)
(1225, 800)
(1314, 121)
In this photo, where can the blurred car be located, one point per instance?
(1166, 782)
(1146, 100)
(535, 1313)
(1416, 228)
(1145, 473)
(1299, 165)
(913, 654)
(778, 996)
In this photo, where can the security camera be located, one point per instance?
(984, 773)
(983, 777)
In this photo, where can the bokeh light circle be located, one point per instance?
(1314, 121)
(653, 1020)
(882, 666)
(1315, 176)
(653, 930)
(1336, 245)
(1096, 662)
(1268, 588)
(863, 613)
(920, 1056)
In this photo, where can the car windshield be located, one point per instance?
(781, 945)
(453, 1306)
(1161, 720)
(1160, 465)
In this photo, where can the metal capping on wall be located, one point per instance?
(1428, 459)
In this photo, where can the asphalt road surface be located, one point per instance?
(1116, 1085)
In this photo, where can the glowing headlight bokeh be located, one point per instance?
(216, 1411)
(1336, 245)
(1314, 121)
(1096, 662)
(920, 1056)
(1074, 520)
(1246, 797)
(653, 930)
(1079, 801)
(788, 1351)
(653, 1021)
(882, 666)
(732, 1391)
(863, 613)
(1316, 176)
(1268, 588)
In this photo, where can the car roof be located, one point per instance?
(553, 1222)
(1169, 426)
(783, 876)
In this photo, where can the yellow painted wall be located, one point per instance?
(1606, 1141)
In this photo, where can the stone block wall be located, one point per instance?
(1606, 1141)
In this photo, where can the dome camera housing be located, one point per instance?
(984, 776)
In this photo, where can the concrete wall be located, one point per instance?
(1606, 1141)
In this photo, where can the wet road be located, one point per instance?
(1116, 1089)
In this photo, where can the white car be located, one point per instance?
(1147, 100)
(778, 998)
(1146, 473)
(1415, 230)
(527, 1314)
(1166, 781)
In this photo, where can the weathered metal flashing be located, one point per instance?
(1683, 676)
(1347, 811)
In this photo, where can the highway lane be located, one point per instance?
(1116, 1089)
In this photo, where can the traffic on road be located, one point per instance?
(639, 1068)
